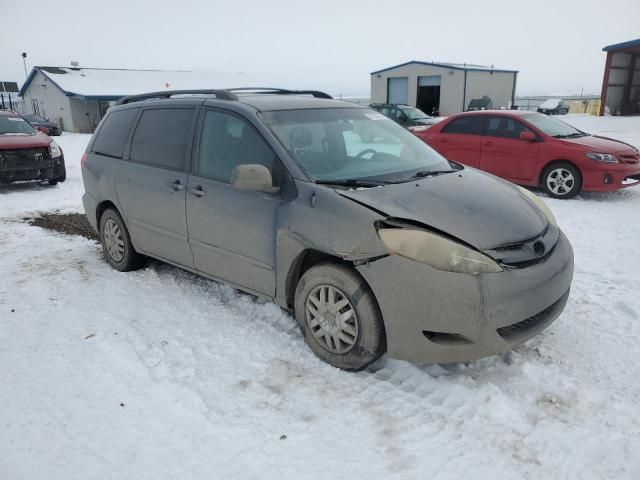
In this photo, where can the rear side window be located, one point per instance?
(162, 137)
(471, 125)
(114, 132)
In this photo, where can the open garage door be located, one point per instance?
(398, 90)
(429, 94)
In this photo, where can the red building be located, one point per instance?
(621, 83)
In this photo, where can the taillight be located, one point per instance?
(83, 160)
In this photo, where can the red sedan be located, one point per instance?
(536, 150)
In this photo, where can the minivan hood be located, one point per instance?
(479, 209)
(593, 143)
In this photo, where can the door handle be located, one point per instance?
(177, 186)
(444, 140)
(197, 191)
(488, 143)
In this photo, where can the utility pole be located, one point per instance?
(24, 63)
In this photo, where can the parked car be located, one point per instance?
(369, 237)
(26, 153)
(536, 150)
(553, 106)
(484, 103)
(37, 121)
(409, 117)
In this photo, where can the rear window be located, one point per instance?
(162, 137)
(470, 125)
(114, 132)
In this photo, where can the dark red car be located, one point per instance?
(26, 153)
(532, 149)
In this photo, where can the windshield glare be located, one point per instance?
(352, 143)
(551, 126)
(15, 125)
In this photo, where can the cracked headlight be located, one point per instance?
(55, 149)
(436, 251)
(540, 204)
(602, 157)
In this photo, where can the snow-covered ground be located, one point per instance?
(159, 374)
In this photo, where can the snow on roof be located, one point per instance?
(116, 82)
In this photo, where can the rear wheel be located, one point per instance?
(562, 180)
(339, 317)
(116, 243)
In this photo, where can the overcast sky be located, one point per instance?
(331, 45)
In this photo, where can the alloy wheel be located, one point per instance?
(561, 181)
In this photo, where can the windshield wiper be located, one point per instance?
(352, 182)
(429, 173)
(571, 135)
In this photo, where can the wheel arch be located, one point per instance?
(557, 161)
(101, 208)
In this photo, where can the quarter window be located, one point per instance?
(504, 127)
(113, 134)
(469, 125)
(228, 141)
(162, 137)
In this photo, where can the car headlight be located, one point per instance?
(540, 204)
(55, 149)
(436, 251)
(602, 157)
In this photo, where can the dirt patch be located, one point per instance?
(68, 223)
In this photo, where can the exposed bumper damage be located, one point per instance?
(29, 164)
(433, 316)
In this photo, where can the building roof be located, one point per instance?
(623, 46)
(469, 67)
(114, 83)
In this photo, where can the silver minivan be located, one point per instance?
(372, 240)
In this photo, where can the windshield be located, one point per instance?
(352, 143)
(552, 103)
(15, 126)
(552, 126)
(414, 113)
(33, 118)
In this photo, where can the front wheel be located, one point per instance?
(339, 317)
(562, 180)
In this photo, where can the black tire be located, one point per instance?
(369, 339)
(60, 178)
(130, 259)
(567, 189)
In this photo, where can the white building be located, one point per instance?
(76, 98)
(446, 88)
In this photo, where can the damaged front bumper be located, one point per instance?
(32, 164)
(432, 316)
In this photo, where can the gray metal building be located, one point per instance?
(76, 98)
(445, 88)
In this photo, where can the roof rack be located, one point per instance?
(221, 94)
(279, 91)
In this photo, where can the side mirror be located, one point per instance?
(527, 136)
(253, 177)
(43, 130)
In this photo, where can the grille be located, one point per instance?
(532, 323)
(24, 163)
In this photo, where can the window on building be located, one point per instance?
(113, 134)
(162, 137)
